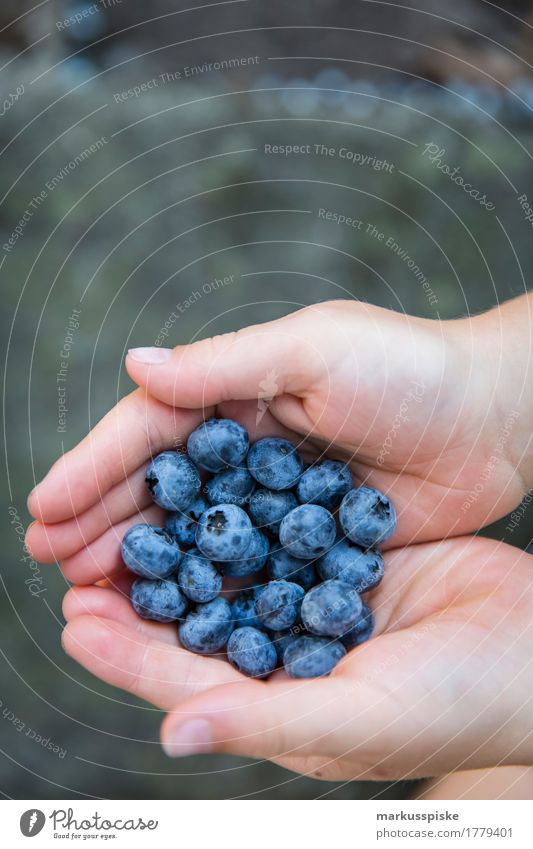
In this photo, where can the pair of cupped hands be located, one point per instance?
(413, 406)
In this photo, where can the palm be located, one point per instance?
(432, 691)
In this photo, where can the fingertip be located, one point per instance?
(34, 501)
(217, 720)
(55, 498)
(28, 538)
(102, 601)
(154, 356)
(36, 544)
(88, 637)
(143, 364)
(70, 637)
(192, 737)
(73, 604)
(30, 502)
(34, 504)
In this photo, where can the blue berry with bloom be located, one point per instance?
(173, 480)
(350, 563)
(150, 552)
(198, 578)
(182, 525)
(275, 463)
(331, 609)
(243, 610)
(218, 444)
(308, 531)
(283, 566)
(326, 483)
(207, 628)
(268, 507)
(278, 604)
(312, 657)
(367, 516)
(224, 532)
(254, 559)
(252, 652)
(361, 631)
(160, 600)
(232, 486)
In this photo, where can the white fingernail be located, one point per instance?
(150, 356)
(193, 737)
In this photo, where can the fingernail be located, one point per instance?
(150, 356)
(192, 738)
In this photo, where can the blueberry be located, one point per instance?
(281, 639)
(251, 652)
(330, 609)
(363, 570)
(268, 507)
(278, 604)
(198, 578)
(283, 566)
(224, 532)
(312, 657)
(161, 600)
(367, 516)
(150, 552)
(232, 486)
(326, 483)
(206, 629)
(243, 610)
(308, 531)
(182, 526)
(254, 559)
(218, 444)
(173, 480)
(275, 463)
(361, 631)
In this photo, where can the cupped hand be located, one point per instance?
(446, 682)
(407, 402)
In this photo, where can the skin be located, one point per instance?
(446, 682)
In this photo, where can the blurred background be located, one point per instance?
(144, 200)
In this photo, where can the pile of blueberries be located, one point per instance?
(304, 537)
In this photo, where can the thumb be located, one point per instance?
(260, 720)
(261, 361)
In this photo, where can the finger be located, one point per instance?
(126, 657)
(261, 361)
(137, 428)
(121, 582)
(273, 719)
(114, 606)
(49, 543)
(357, 714)
(102, 558)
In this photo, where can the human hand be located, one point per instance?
(445, 683)
(410, 403)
